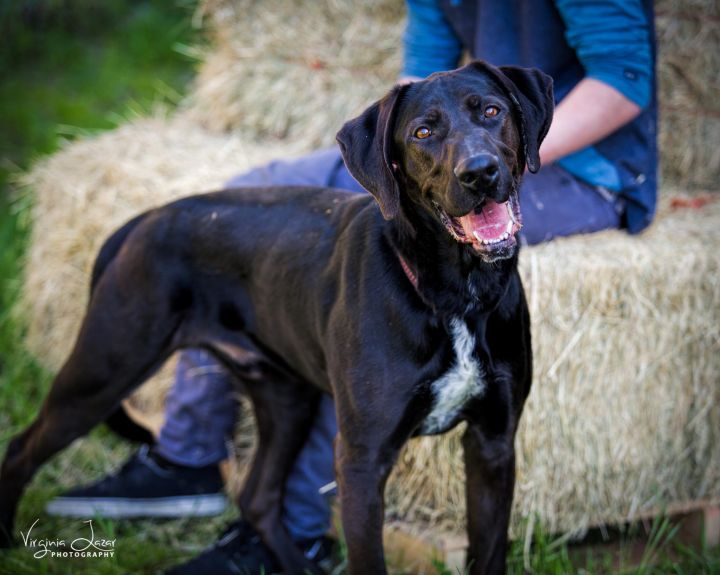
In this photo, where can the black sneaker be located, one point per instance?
(147, 486)
(240, 551)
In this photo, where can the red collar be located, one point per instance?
(408, 272)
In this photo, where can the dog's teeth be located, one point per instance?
(508, 229)
(510, 213)
(491, 241)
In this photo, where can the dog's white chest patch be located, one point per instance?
(462, 382)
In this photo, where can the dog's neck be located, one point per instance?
(448, 276)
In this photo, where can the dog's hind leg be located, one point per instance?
(126, 334)
(285, 410)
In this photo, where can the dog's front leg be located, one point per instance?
(490, 473)
(362, 471)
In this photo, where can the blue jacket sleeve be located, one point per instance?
(611, 40)
(429, 43)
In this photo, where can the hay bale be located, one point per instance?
(295, 71)
(90, 188)
(688, 35)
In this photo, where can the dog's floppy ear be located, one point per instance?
(531, 92)
(366, 144)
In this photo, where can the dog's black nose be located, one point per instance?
(481, 171)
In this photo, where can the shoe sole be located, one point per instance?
(115, 507)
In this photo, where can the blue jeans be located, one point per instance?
(200, 414)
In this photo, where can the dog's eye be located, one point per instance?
(423, 132)
(491, 111)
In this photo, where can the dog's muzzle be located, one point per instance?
(490, 228)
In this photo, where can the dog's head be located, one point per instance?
(456, 146)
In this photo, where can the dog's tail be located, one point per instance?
(119, 421)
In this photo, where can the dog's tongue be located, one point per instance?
(489, 223)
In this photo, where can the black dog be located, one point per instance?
(414, 322)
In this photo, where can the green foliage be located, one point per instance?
(22, 381)
(88, 71)
(70, 67)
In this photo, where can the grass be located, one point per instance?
(70, 69)
(634, 550)
(75, 68)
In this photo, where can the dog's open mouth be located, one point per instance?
(490, 228)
